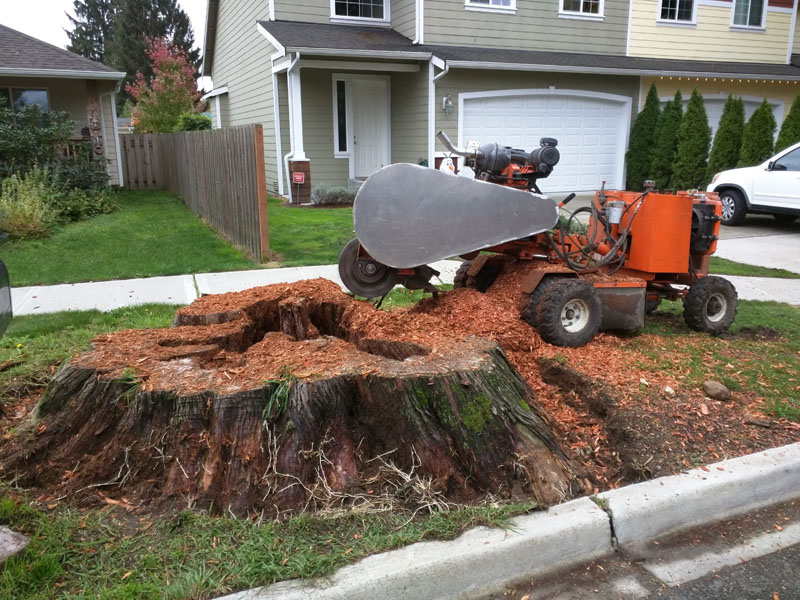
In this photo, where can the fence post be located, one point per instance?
(261, 192)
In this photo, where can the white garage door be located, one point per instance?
(591, 129)
(716, 103)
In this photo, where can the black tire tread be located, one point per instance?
(694, 304)
(548, 312)
(741, 207)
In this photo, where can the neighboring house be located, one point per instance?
(34, 72)
(343, 87)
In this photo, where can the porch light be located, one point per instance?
(447, 105)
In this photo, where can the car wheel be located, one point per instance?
(733, 207)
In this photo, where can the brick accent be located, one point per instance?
(301, 193)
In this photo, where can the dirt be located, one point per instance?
(620, 423)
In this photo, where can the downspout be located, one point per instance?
(276, 111)
(114, 128)
(419, 22)
(792, 33)
(432, 79)
(290, 154)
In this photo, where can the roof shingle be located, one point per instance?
(22, 52)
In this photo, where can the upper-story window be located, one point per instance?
(677, 11)
(360, 9)
(749, 13)
(583, 8)
(509, 6)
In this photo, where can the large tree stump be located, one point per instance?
(287, 398)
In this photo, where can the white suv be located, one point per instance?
(769, 188)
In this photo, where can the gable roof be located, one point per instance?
(345, 40)
(21, 54)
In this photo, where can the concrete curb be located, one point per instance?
(483, 561)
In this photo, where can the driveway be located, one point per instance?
(761, 240)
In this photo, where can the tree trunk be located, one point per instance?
(387, 421)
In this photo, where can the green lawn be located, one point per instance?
(723, 266)
(301, 235)
(152, 233)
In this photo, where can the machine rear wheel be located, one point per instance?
(567, 312)
(710, 305)
(364, 276)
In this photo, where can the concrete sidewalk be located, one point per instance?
(183, 289)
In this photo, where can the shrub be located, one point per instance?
(694, 138)
(26, 205)
(325, 195)
(640, 147)
(790, 130)
(666, 138)
(83, 171)
(728, 140)
(758, 136)
(31, 137)
(193, 122)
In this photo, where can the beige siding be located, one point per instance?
(404, 17)
(317, 85)
(242, 62)
(774, 91)
(110, 146)
(410, 116)
(534, 26)
(70, 95)
(711, 39)
(310, 11)
(471, 80)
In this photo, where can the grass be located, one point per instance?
(111, 554)
(769, 369)
(723, 266)
(302, 236)
(152, 233)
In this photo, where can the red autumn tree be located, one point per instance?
(170, 93)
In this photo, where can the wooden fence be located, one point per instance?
(219, 174)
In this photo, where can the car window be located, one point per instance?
(789, 162)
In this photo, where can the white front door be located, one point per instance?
(371, 126)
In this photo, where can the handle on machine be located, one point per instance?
(449, 145)
(564, 202)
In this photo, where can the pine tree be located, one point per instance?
(139, 22)
(758, 136)
(666, 138)
(728, 140)
(790, 130)
(694, 138)
(640, 146)
(92, 27)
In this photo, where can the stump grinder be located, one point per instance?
(607, 273)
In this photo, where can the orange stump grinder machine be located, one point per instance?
(636, 248)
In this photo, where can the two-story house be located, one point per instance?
(343, 87)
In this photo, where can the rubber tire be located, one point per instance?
(736, 201)
(366, 288)
(780, 218)
(700, 299)
(461, 279)
(552, 301)
(650, 306)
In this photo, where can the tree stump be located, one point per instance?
(290, 398)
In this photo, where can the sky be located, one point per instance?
(46, 19)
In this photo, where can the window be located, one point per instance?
(680, 11)
(17, 99)
(788, 162)
(359, 9)
(491, 5)
(582, 7)
(341, 118)
(748, 13)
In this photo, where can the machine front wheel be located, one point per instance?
(363, 275)
(710, 305)
(567, 313)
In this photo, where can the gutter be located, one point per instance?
(466, 64)
(63, 73)
(399, 54)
